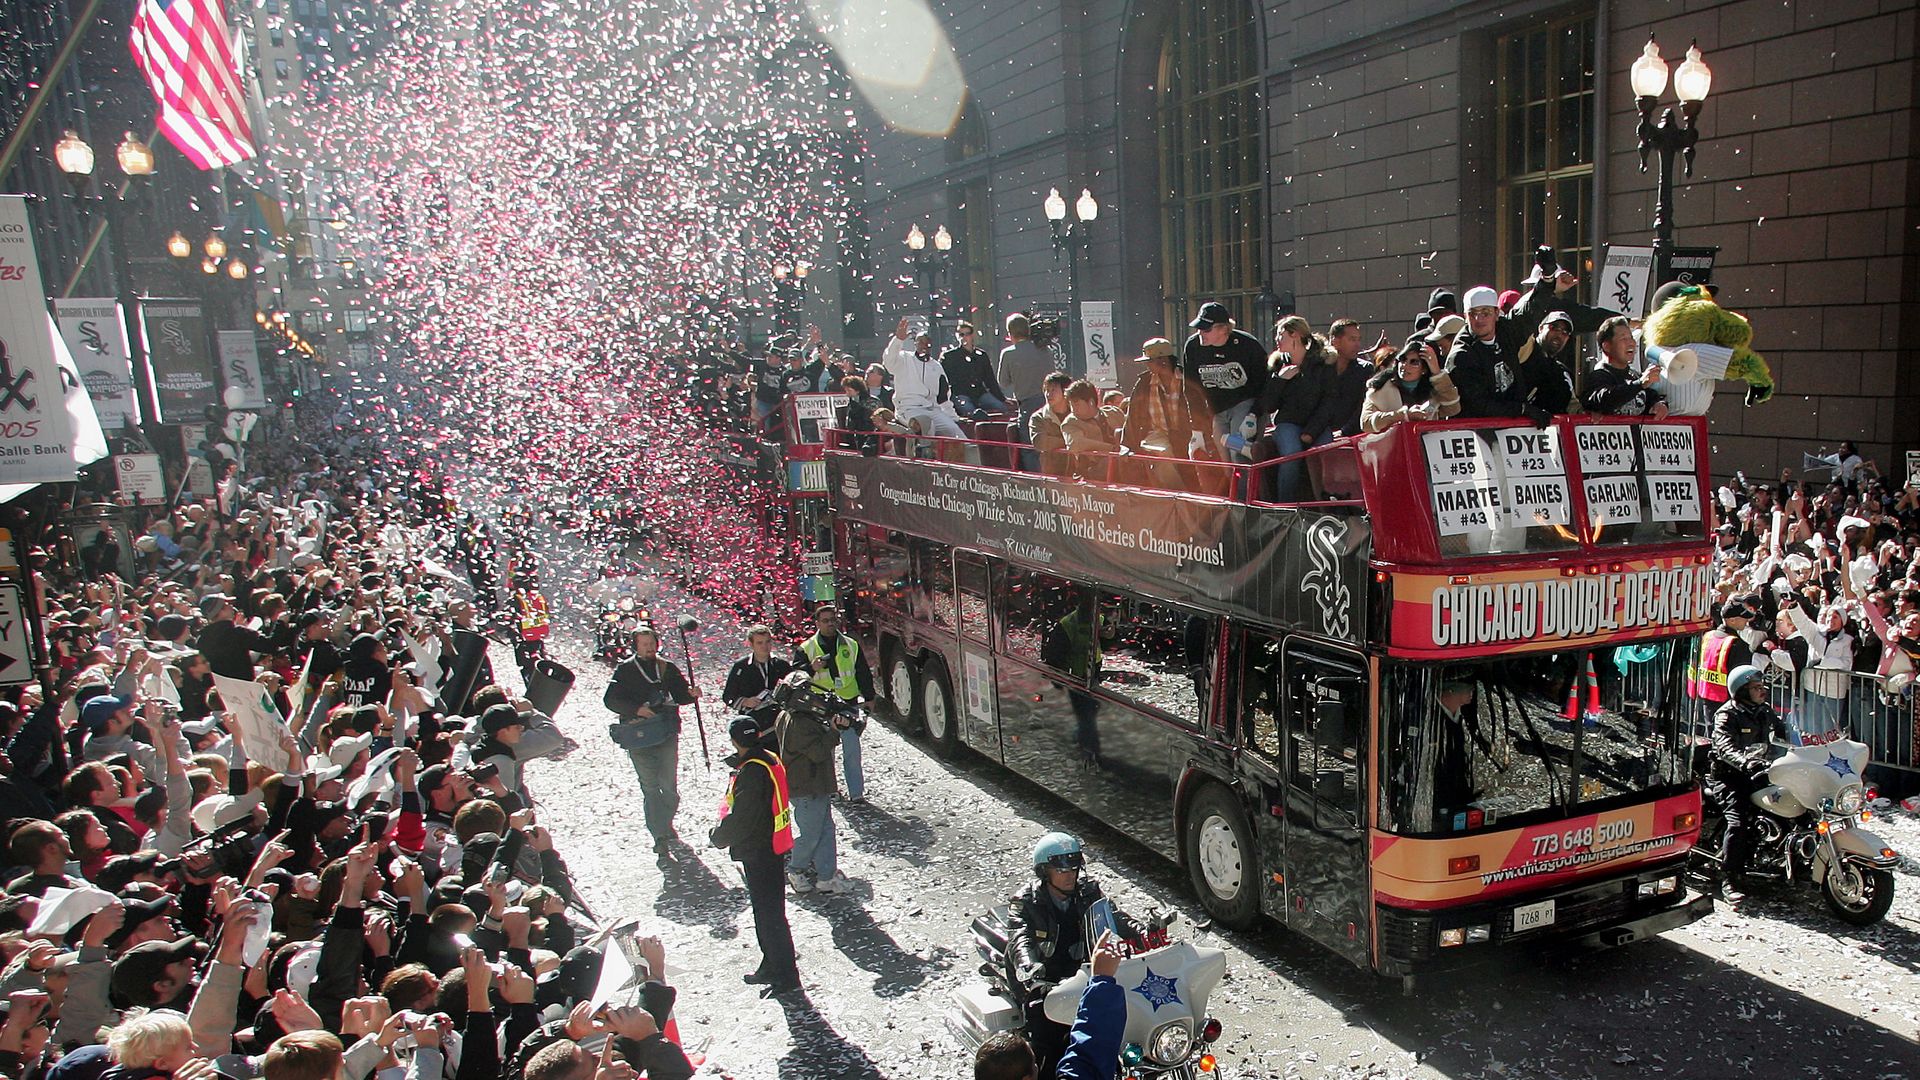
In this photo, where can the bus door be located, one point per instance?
(979, 701)
(1324, 711)
(1264, 762)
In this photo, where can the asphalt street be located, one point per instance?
(1783, 990)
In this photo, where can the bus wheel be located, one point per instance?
(1222, 860)
(936, 707)
(902, 685)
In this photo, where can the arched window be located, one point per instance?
(1212, 226)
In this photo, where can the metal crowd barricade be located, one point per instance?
(1884, 721)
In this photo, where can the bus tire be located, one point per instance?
(936, 707)
(1222, 861)
(901, 682)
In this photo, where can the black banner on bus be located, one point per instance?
(1304, 568)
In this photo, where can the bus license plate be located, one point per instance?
(1533, 916)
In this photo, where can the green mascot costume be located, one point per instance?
(1689, 318)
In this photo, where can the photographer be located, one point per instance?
(645, 695)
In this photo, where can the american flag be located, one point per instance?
(182, 48)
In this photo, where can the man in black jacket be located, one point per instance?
(757, 830)
(970, 375)
(1046, 932)
(1744, 730)
(645, 694)
(228, 646)
(1489, 361)
(751, 680)
(1612, 387)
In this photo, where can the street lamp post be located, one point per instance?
(1669, 136)
(135, 158)
(928, 266)
(1071, 238)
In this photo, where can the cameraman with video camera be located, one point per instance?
(645, 694)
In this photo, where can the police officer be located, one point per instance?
(840, 671)
(756, 828)
(1743, 731)
(1721, 650)
(1046, 934)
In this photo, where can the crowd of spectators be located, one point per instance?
(1821, 582)
(363, 890)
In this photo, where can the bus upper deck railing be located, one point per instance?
(1593, 489)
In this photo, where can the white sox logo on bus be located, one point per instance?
(1323, 582)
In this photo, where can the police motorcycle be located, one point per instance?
(1168, 1033)
(1813, 805)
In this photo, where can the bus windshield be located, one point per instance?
(1507, 742)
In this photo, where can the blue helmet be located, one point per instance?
(1739, 677)
(1057, 851)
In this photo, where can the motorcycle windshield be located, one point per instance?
(1100, 921)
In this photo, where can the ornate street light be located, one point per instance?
(215, 247)
(75, 158)
(208, 266)
(1071, 238)
(134, 156)
(237, 269)
(179, 246)
(1669, 135)
(929, 265)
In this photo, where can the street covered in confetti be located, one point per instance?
(897, 539)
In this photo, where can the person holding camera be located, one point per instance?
(751, 680)
(841, 674)
(645, 695)
(1414, 387)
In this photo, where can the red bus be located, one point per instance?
(1439, 712)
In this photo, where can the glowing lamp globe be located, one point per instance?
(135, 157)
(1693, 78)
(1056, 206)
(942, 239)
(237, 270)
(916, 240)
(1084, 207)
(1649, 74)
(73, 155)
(215, 247)
(179, 246)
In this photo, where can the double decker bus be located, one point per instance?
(1437, 713)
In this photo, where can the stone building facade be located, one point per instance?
(1349, 156)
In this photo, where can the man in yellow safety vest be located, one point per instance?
(756, 828)
(840, 671)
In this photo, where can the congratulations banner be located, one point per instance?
(1294, 567)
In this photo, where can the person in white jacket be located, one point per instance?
(1828, 672)
(918, 379)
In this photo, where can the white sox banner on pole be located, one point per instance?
(96, 336)
(36, 434)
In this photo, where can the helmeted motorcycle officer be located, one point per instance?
(1743, 732)
(1046, 935)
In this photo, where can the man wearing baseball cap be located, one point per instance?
(228, 646)
(1229, 364)
(1489, 359)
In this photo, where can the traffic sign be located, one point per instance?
(16, 649)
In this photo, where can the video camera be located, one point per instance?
(1044, 330)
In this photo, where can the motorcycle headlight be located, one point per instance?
(1171, 1043)
(1849, 799)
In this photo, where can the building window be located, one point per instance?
(277, 36)
(1213, 227)
(1546, 138)
(972, 274)
(356, 321)
(280, 69)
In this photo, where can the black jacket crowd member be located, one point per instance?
(751, 680)
(645, 695)
(757, 832)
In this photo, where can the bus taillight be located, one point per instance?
(1463, 864)
(1683, 822)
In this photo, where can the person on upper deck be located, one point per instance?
(1415, 387)
(1488, 361)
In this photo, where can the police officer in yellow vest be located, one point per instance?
(840, 671)
(1721, 650)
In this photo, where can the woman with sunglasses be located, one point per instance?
(1414, 387)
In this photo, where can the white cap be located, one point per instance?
(1480, 296)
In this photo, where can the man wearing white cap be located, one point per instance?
(1488, 361)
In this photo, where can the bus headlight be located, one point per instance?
(1849, 799)
(1171, 1043)
(1466, 935)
